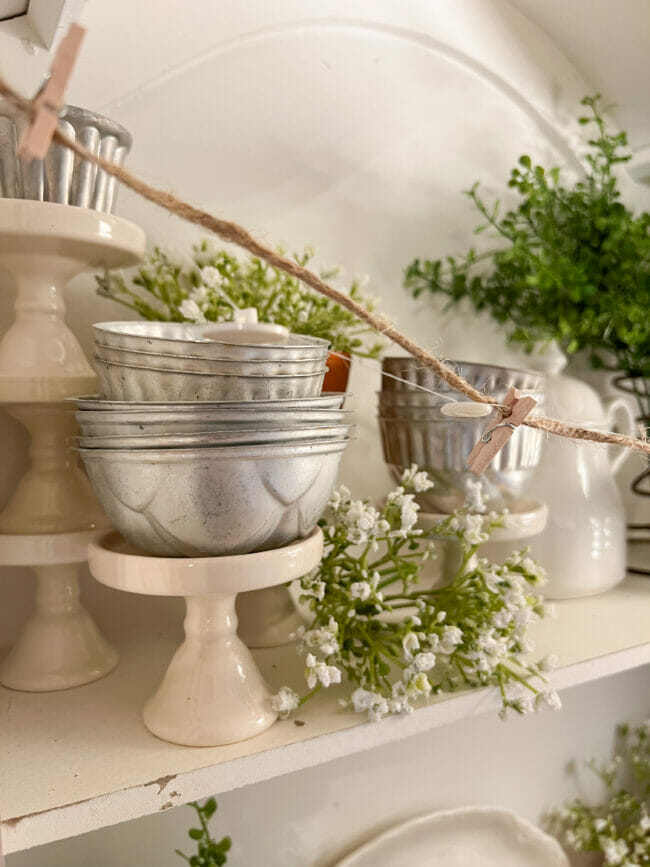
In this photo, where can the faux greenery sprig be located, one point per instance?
(572, 263)
(210, 852)
(397, 642)
(619, 827)
(214, 283)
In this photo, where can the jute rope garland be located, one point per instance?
(236, 234)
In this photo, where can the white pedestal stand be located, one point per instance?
(526, 520)
(59, 646)
(52, 514)
(212, 693)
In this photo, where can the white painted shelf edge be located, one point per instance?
(76, 761)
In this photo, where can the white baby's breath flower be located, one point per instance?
(360, 590)
(191, 310)
(284, 701)
(319, 671)
(415, 479)
(424, 661)
(211, 277)
(410, 643)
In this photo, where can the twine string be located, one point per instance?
(233, 233)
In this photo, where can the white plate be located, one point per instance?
(468, 837)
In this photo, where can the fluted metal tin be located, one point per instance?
(199, 439)
(196, 364)
(92, 402)
(213, 501)
(184, 338)
(489, 378)
(63, 177)
(131, 383)
(133, 423)
(414, 430)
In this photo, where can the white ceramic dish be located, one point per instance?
(467, 837)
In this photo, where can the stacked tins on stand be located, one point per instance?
(414, 430)
(214, 455)
(54, 224)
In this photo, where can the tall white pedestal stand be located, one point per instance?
(52, 514)
(212, 692)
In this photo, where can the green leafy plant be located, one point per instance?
(210, 853)
(397, 642)
(572, 263)
(213, 284)
(619, 827)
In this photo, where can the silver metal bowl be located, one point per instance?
(62, 177)
(128, 382)
(196, 364)
(488, 378)
(133, 423)
(202, 438)
(214, 501)
(413, 430)
(441, 448)
(92, 402)
(184, 338)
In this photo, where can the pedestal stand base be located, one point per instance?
(212, 693)
(60, 646)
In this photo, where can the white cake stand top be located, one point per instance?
(92, 238)
(117, 564)
(525, 518)
(46, 549)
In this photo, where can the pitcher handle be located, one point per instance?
(618, 410)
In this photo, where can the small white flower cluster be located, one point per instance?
(471, 632)
(363, 523)
(619, 828)
(415, 480)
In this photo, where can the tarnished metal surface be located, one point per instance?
(213, 501)
(196, 364)
(184, 338)
(128, 382)
(62, 177)
(199, 439)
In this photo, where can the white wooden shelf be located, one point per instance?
(74, 761)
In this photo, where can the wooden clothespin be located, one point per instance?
(37, 138)
(499, 432)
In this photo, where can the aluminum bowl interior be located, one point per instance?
(200, 439)
(225, 500)
(92, 402)
(131, 383)
(185, 338)
(196, 364)
(489, 378)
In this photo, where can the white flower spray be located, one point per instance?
(397, 643)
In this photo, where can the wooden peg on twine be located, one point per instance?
(36, 139)
(498, 434)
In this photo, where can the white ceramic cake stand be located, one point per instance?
(212, 693)
(59, 646)
(52, 514)
(527, 519)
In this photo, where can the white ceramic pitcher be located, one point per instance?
(583, 545)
